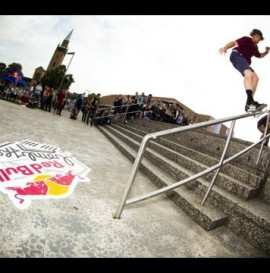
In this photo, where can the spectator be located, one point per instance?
(92, 110)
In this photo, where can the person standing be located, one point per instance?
(92, 110)
(77, 107)
(38, 91)
(61, 98)
(85, 110)
(243, 50)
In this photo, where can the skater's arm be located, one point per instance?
(265, 53)
(227, 46)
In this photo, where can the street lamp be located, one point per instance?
(69, 53)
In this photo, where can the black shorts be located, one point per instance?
(239, 62)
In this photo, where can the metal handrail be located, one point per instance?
(112, 106)
(222, 162)
(118, 114)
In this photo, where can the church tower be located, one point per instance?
(59, 53)
(56, 60)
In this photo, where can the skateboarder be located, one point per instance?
(243, 50)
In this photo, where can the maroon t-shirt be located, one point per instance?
(61, 96)
(247, 48)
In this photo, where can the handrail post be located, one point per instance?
(126, 113)
(264, 134)
(110, 110)
(131, 177)
(220, 162)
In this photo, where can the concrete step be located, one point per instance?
(235, 172)
(252, 176)
(210, 144)
(222, 199)
(165, 157)
(247, 220)
(207, 216)
(251, 221)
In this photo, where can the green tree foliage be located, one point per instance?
(91, 96)
(72, 96)
(56, 77)
(75, 95)
(6, 69)
(2, 68)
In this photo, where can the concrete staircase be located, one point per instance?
(234, 201)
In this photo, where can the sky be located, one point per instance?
(164, 55)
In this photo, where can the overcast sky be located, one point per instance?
(172, 56)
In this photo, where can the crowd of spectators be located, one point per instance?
(137, 106)
(47, 98)
(142, 106)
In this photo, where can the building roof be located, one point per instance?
(40, 68)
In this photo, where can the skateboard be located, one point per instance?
(261, 107)
(258, 109)
(261, 110)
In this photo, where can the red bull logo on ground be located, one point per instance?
(31, 170)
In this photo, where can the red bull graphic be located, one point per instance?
(31, 170)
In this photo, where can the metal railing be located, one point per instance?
(120, 114)
(217, 167)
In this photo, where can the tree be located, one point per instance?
(91, 96)
(11, 67)
(2, 68)
(72, 96)
(54, 77)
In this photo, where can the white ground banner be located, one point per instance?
(30, 170)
